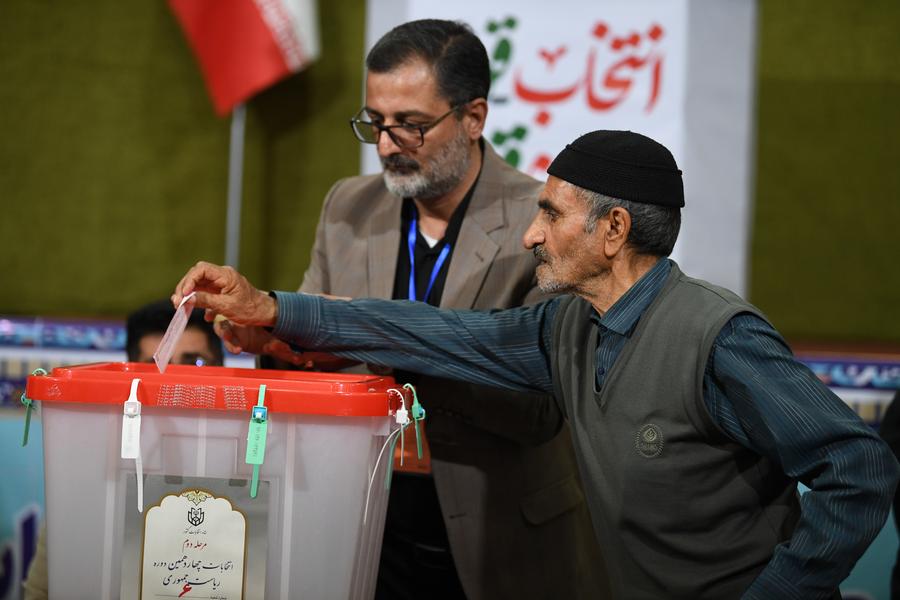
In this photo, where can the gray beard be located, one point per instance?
(548, 286)
(439, 176)
(553, 286)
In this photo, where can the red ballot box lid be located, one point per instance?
(219, 388)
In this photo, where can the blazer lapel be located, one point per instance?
(384, 240)
(475, 249)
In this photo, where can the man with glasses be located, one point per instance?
(498, 510)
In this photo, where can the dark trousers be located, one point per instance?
(415, 560)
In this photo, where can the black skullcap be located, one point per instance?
(621, 164)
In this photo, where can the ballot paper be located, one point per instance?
(176, 327)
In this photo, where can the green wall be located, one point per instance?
(826, 230)
(113, 166)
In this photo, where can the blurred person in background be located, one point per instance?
(144, 329)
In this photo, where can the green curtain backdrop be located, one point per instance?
(826, 231)
(113, 166)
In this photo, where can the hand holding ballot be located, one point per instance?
(239, 310)
(223, 291)
(240, 313)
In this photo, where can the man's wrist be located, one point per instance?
(297, 319)
(268, 309)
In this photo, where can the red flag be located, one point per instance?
(244, 46)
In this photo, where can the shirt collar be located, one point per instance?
(624, 314)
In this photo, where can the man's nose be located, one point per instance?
(534, 236)
(386, 145)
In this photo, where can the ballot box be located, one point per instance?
(214, 482)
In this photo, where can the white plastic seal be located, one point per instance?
(131, 438)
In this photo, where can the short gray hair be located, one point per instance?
(654, 228)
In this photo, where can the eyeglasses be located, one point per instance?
(191, 358)
(405, 135)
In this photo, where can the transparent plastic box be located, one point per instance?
(323, 480)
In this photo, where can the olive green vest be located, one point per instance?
(680, 510)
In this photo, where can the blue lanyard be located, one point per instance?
(411, 243)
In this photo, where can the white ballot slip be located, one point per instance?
(176, 327)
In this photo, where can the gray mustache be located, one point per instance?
(541, 254)
(398, 161)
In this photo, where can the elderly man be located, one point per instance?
(498, 510)
(691, 420)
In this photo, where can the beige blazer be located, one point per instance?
(503, 462)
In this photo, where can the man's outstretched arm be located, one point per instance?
(507, 348)
(501, 348)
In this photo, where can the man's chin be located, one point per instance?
(402, 185)
(549, 285)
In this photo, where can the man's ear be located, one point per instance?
(474, 117)
(616, 234)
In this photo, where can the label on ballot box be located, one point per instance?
(193, 541)
(202, 538)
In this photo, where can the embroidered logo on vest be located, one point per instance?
(649, 441)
